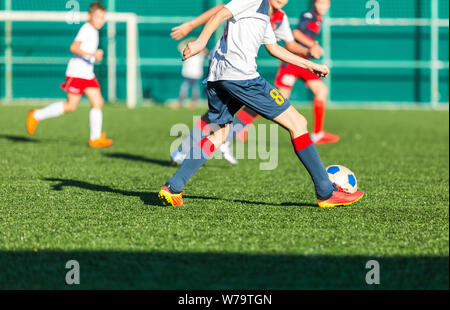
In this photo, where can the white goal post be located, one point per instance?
(130, 19)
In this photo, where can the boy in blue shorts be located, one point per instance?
(233, 81)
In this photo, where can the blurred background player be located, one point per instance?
(246, 116)
(192, 72)
(307, 30)
(80, 79)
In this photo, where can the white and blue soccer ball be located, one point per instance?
(343, 178)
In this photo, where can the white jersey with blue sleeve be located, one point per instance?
(245, 32)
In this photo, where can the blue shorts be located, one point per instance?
(225, 98)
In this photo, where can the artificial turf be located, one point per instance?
(241, 227)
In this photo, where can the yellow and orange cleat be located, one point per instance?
(101, 142)
(340, 198)
(169, 199)
(323, 137)
(31, 122)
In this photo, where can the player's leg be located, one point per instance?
(195, 94)
(296, 124)
(244, 118)
(328, 195)
(200, 130)
(267, 101)
(284, 80)
(51, 111)
(172, 192)
(182, 96)
(239, 128)
(320, 91)
(222, 107)
(97, 138)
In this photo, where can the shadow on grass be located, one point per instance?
(138, 158)
(148, 198)
(151, 198)
(185, 270)
(19, 139)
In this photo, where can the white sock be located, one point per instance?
(54, 110)
(95, 120)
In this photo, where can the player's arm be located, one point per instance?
(302, 38)
(75, 48)
(193, 48)
(284, 33)
(296, 48)
(183, 30)
(315, 51)
(284, 55)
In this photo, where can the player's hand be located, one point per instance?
(98, 55)
(320, 70)
(192, 49)
(181, 31)
(316, 51)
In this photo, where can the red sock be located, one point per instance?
(319, 115)
(207, 146)
(245, 117)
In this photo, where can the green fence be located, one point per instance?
(371, 64)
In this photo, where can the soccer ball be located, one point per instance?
(343, 177)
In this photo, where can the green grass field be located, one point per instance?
(240, 228)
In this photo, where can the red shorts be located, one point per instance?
(288, 74)
(77, 86)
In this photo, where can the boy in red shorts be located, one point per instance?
(80, 79)
(307, 30)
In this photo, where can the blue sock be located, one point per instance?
(307, 152)
(198, 156)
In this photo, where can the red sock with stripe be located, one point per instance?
(240, 123)
(201, 129)
(199, 154)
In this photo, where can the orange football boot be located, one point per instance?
(31, 122)
(101, 142)
(169, 199)
(323, 137)
(340, 198)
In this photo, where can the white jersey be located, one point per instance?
(193, 67)
(235, 57)
(83, 67)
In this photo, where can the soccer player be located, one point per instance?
(192, 72)
(233, 81)
(80, 79)
(282, 30)
(307, 30)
